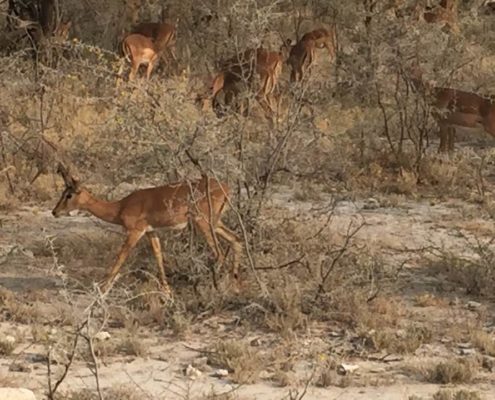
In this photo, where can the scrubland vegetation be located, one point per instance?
(362, 247)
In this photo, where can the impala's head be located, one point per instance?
(71, 196)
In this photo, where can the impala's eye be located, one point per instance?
(69, 195)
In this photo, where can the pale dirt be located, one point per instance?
(410, 225)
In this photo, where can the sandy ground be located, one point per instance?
(160, 374)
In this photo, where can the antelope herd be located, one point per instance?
(203, 202)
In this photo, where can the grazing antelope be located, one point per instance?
(302, 54)
(139, 50)
(445, 11)
(171, 206)
(261, 65)
(300, 59)
(323, 38)
(163, 35)
(456, 108)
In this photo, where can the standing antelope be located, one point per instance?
(302, 53)
(139, 49)
(259, 68)
(323, 38)
(172, 206)
(162, 34)
(456, 108)
(446, 12)
(300, 58)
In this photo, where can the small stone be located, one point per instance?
(19, 367)
(9, 339)
(201, 363)
(220, 373)
(465, 345)
(488, 363)
(102, 336)
(473, 305)
(344, 369)
(377, 370)
(36, 358)
(265, 375)
(371, 204)
(192, 372)
(255, 342)
(16, 394)
(467, 352)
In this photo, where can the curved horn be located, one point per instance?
(67, 177)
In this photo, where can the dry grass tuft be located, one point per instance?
(398, 341)
(462, 394)
(244, 363)
(451, 371)
(483, 341)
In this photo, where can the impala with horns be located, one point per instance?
(173, 206)
(139, 50)
(259, 69)
(455, 108)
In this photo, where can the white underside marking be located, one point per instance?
(177, 227)
(74, 213)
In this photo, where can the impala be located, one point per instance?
(300, 59)
(171, 206)
(323, 38)
(302, 53)
(456, 108)
(258, 68)
(139, 50)
(162, 34)
(445, 11)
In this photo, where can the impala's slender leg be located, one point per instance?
(134, 70)
(150, 67)
(204, 226)
(444, 137)
(157, 250)
(131, 241)
(235, 242)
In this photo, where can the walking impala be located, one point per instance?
(456, 108)
(172, 206)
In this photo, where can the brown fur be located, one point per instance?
(323, 38)
(139, 50)
(300, 59)
(163, 35)
(457, 108)
(266, 65)
(170, 206)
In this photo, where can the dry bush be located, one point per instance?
(483, 341)
(402, 342)
(239, 358)
(6, 347)
(452, 371)
(120, 393)
(472, 270)
(429, 300)
(445, 394)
